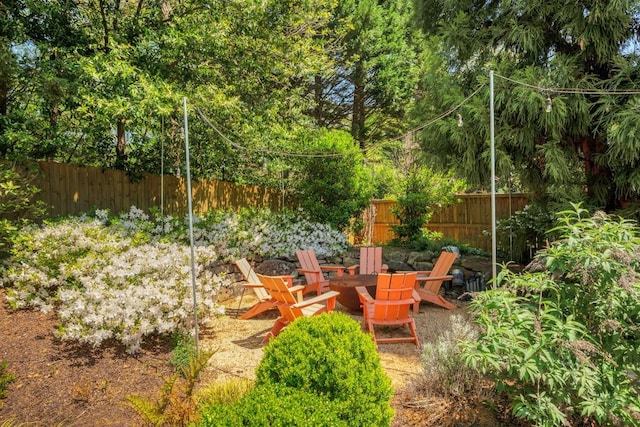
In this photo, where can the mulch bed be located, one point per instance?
(67, 384)
(61, 383)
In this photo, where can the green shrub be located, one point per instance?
(176, 403)
(17, 204)
(329, 355)
(525, 232)
(431, 241)
(6, 378)
(345, 175)
(275, 405)
(445, 373)
(184, 350)
(419, 195)
(563, 344)
(223, 392)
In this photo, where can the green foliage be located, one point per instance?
(184, 350)
(582, 142)
(330, 356)
(374, 64)
(332, 190)
(175, 404)
(563, 344)
(17, 206)
(435, 242)
(275, 405)
(421, 192)
(525, 232)
(223, 393)
(6, 378)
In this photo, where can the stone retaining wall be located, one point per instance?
(471, 266)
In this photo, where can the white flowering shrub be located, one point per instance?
(271, 234)
(142, 291)
(129, 276)
(238, 234)
(104, 284)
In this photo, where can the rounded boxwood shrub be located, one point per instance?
(274, 405)
(329, 355)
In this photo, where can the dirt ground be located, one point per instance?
(64, 384)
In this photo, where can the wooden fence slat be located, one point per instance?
(466, 221)
(71, 189)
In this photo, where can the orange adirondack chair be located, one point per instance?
(370, 261)
(429, 282)
(290, 308)
(313, 271)
(265, 302)
(391, 306)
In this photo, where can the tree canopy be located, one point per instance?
(565, 94)
(101, 82)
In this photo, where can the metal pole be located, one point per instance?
(162, 175)
(193, 265)
(282, 188)
(494, 245)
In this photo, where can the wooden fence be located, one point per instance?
(466, 221)
(69, 189)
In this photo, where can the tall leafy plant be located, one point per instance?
(17, 205)
(332, 185)
(420, 191)
(563, 343)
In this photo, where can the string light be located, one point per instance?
(443, 115)
(548, 109)
(572, 90)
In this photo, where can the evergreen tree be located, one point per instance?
(369, 87)
(557, 142)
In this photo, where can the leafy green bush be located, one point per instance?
(275, 405)
(334, 189)
(6, 378)
(17, 206)
(184, 349)
(176, 403)
(525, 232)
(329, 355)
(419, 195)
(433, 241)
(564, 344)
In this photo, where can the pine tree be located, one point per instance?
(557, 142)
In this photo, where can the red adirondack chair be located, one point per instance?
(391, 306)
(291, 308)
(265, 302)
(370, 261)
(313, 270)
(428, 283)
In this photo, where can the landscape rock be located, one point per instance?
(395, 254)
(475, 264)
(415, 258)
(423, 266)
(276, 267)
(398, 266)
